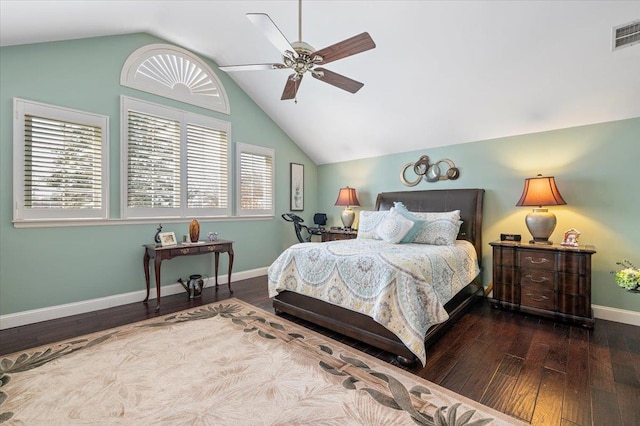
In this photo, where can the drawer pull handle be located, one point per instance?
(211, 248)
(542, 260)
(541, 280)
(537, 299)
(184, 251)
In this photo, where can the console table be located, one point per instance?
(169, 252)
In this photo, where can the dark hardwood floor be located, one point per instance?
(543, 372)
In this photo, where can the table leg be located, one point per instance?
(216, 262)
(158, 262)
(145, 263)
(230, 268)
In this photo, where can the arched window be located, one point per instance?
(174, 73)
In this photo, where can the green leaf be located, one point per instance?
(382, 399)
(329, 369)
(265, 335)
(451, 414)
(5, 416)
(296, 335)
(439, 418)
(465, 417)
(238, 321)
(248, 330)
(4, 379)
(419, 390)
(348, 383)
(326, 349)
(354, 361)
(276, 326)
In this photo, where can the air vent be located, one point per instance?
(626, 35)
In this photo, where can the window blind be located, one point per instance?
(62, 164)
(256, 180)
(153, 165)
(207, 167)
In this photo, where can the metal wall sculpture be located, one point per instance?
(431, 172)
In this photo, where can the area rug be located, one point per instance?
(225, 363)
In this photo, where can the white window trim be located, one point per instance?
(21, 214)
(175, 67)
(244, 147)
(127, 103)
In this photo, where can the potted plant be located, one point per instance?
(628, 277)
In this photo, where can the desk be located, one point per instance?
(169, 252)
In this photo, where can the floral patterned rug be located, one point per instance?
(226, 363)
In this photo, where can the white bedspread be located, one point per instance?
(401, 286)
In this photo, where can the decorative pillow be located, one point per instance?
(368, 221)
(437, 228)
(418, 223)
(394, 227)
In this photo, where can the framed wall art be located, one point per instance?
(297, 187)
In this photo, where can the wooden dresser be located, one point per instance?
(548, 280)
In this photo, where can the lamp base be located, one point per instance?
(541, 241)
(541, 224)
(347, 216)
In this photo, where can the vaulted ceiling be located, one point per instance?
(443, 72)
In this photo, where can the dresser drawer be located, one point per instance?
(537, 298)
(532, 259)
(538, 278)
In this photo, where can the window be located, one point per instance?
(175, 73)
(177, 163)
(255, 183)
(60, 163)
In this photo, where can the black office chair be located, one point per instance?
(301, 229)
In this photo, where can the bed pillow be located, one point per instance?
(368, 222)
(394, 227)
(418, 223)
(437, 228)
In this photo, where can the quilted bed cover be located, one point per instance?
(402, 286)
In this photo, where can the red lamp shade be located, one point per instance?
(541, 191)
(347, 197)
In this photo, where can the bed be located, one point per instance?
(363, 327)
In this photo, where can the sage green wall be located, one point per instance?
(596, 169)
(42, 267)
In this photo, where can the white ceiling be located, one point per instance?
(443, 72)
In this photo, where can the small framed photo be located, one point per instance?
(571, 238)
(167, 239)
(297, 187)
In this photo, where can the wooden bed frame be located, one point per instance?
(364, 328)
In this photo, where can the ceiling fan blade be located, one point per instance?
(348, 47)
(271, 31)
(338, 80)
(252, 67)
(291, 88)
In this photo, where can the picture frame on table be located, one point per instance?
(297, 187)
(167, 239)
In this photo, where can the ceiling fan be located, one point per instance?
(302, 58)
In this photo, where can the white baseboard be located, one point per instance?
(617, 315)
(44, 314)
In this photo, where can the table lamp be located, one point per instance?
(347, 198)
(540, 191)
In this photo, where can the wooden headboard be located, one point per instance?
(468, 201)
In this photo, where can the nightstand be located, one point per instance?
(338, 234)
(553, 281)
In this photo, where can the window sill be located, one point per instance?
(61, 223)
